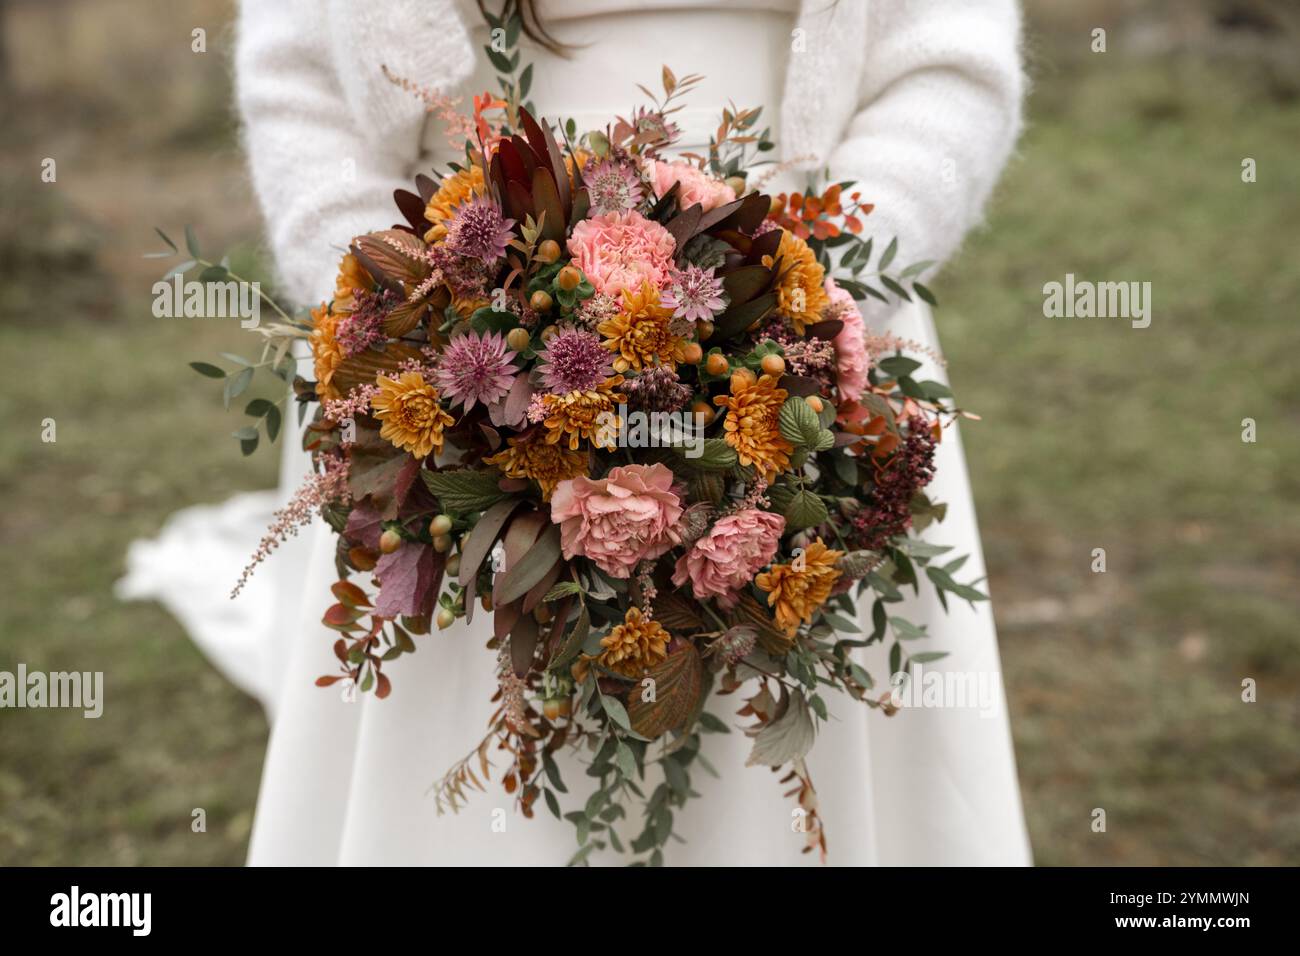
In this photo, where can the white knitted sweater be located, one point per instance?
(916, 100)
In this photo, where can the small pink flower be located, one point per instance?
(479, 231)
(695, 186)
(613, 186)
(476, 367)
(620, 520)
(851, 362)
(726, 559)
(620, 250)
(694, 294)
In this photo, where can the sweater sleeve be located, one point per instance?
(939, 111)
(319, 179)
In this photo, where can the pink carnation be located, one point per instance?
(726, 559)
(851, 362)
(620, 250)
(695, 186)
(626, 517)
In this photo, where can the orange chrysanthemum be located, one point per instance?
(800, 293)
(641, 333)
(455, 189)
(412, 419)
(582, 156)
(352, 278)
(545, 463)
(466, 306)
(797, 590)
(752, 425)
(633, 647)
(588, 414)
(325, 351)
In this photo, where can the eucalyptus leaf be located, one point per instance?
(209, 371)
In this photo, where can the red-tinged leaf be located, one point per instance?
(511, 410)
(546, 198)
(538, 590)
(340, 615)
(520, 535)
(529, 569)
(372, 476)
(504, 617)
(327, 681)
(557, 625)
(383, 686)
(888, 442)
(544, 145)
(518, 201)
(426, 186)
(798, 385)
(746, 282)
(349, 594)
(579, 201)
(685, 225)
(341, 650)
(744, 214)
(405, 479)
(738, 318)
(526, 156)
(365, 525)
(765, 245)
(825, 330)
(511, 163)
(483, 536)
(411, 206)
(523, 644)
(405, 581)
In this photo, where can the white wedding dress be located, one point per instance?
(348, 782)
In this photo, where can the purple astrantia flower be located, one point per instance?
(574, 361)
(613, 186)
(476, 368)
(479, 231)
(694, 294)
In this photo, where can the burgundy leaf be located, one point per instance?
(510, 411)
(405, 581)
(365, 525)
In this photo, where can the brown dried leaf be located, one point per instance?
(677, 686)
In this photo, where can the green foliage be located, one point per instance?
(463, 491)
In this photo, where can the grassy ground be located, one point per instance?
(1124, 686)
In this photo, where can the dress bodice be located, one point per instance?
(741, 49)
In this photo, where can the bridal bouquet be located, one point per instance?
(618, 401)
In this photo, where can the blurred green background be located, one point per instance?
(1125, 687)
